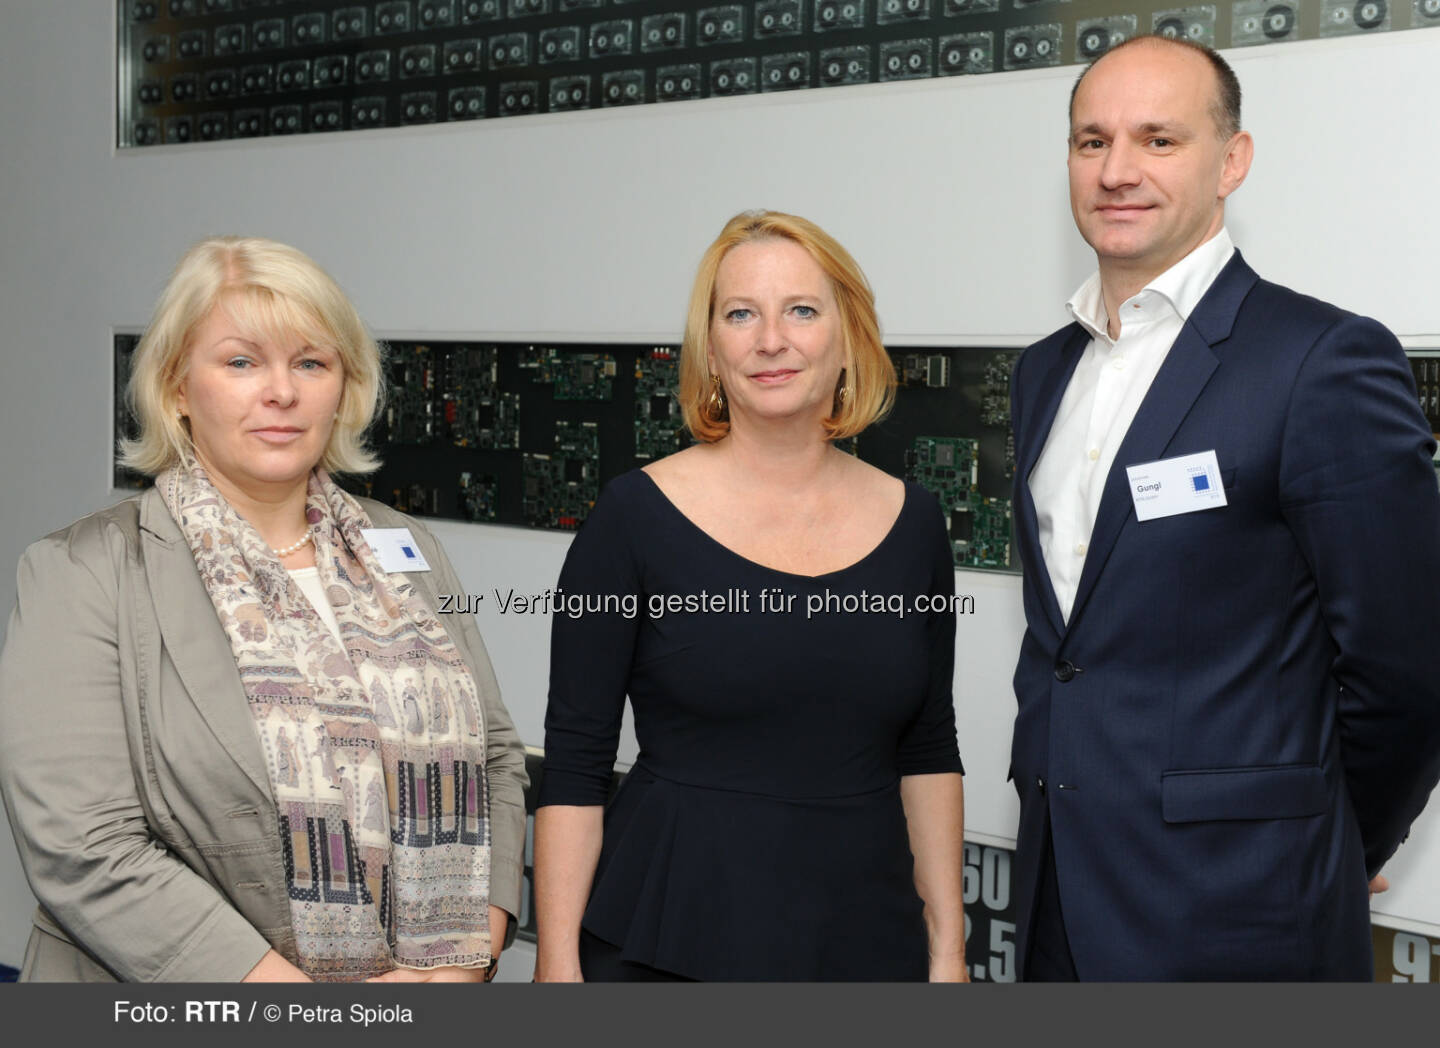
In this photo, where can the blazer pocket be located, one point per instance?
(1286, 791)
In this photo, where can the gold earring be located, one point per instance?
(715, 407)
(842, 389)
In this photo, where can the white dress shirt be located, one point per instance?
(1101, 400)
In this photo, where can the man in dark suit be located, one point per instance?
(1229, 713)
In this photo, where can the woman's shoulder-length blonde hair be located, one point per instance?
(869, 382)
(272, 291)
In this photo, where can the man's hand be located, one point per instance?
(1378, 885)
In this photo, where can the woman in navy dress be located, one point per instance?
(778, 613)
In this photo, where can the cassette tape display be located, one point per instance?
(1265, 22)
(1095, 36)
(1341, 17)
(210, 70)
(1032, 46)
(1196, 24)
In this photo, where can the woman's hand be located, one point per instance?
(274, 968)
(949, 968)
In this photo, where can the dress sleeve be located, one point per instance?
(592, 644)
(69, 784)
(928, 744)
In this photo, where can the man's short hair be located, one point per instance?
(1224, 108)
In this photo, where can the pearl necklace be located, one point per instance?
(293, 546)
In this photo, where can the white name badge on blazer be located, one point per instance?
(1179, 485)
(396, 549)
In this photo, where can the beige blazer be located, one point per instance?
(132, 772)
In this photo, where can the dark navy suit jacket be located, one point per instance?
(1242, 717)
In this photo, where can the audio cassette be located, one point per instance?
(418, 107)
(785, 72)
(732, 76)
(967, 53)
(293, 76)
(179, 129)
(1022, 5)
(229, 40)
(268, 34)
(144, 11)
(518, 98)
(393, 17)
(258, 80)
(1032, 46)
(326, 116)
(906, 59)
(1427, 12)
(308, 29)
(190, 44)
(463, 56)
(249, 123)
(662, 32)
(845, 65)
(215, 127)
(888, 12)
(370, 67)
(331, 71)
(839, 14)
(559, 45)
(150, 92)
(219, 83)
(1095, 36)
(677, 82)
(185, 87)
(568, 93)
(969, 7)
(777, 18)
(473, 11)
(1196, 24)
(622, 87)
(466, 103)
(1265, 22)
(720, 25)
(526, 8)
(1339, 17)
(364, 112)
(608, 39)
(435, 14)
(575, 5)
(509, 50)
(146, 133)
(417, 60)
(350, 23)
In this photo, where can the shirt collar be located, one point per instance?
(1184, 284)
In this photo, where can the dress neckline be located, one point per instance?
(888, 537)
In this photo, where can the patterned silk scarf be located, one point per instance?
(376, 749)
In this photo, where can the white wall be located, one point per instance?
(586, 226)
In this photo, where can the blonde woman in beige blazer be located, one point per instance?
(137, 778)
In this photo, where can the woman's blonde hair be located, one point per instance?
(273, 292)
(868, 383)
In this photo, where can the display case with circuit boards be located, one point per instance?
(527, 434)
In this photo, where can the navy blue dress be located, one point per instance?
(760, 835)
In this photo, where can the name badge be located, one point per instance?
(1178, 485)
(396, 549)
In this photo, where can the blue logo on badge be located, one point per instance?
(1202, 482)
(409, 553)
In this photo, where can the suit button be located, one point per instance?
(1064, 671)
(1040, 785)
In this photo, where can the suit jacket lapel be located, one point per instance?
(1051, 392)
(1182, 377)
(195, 640)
